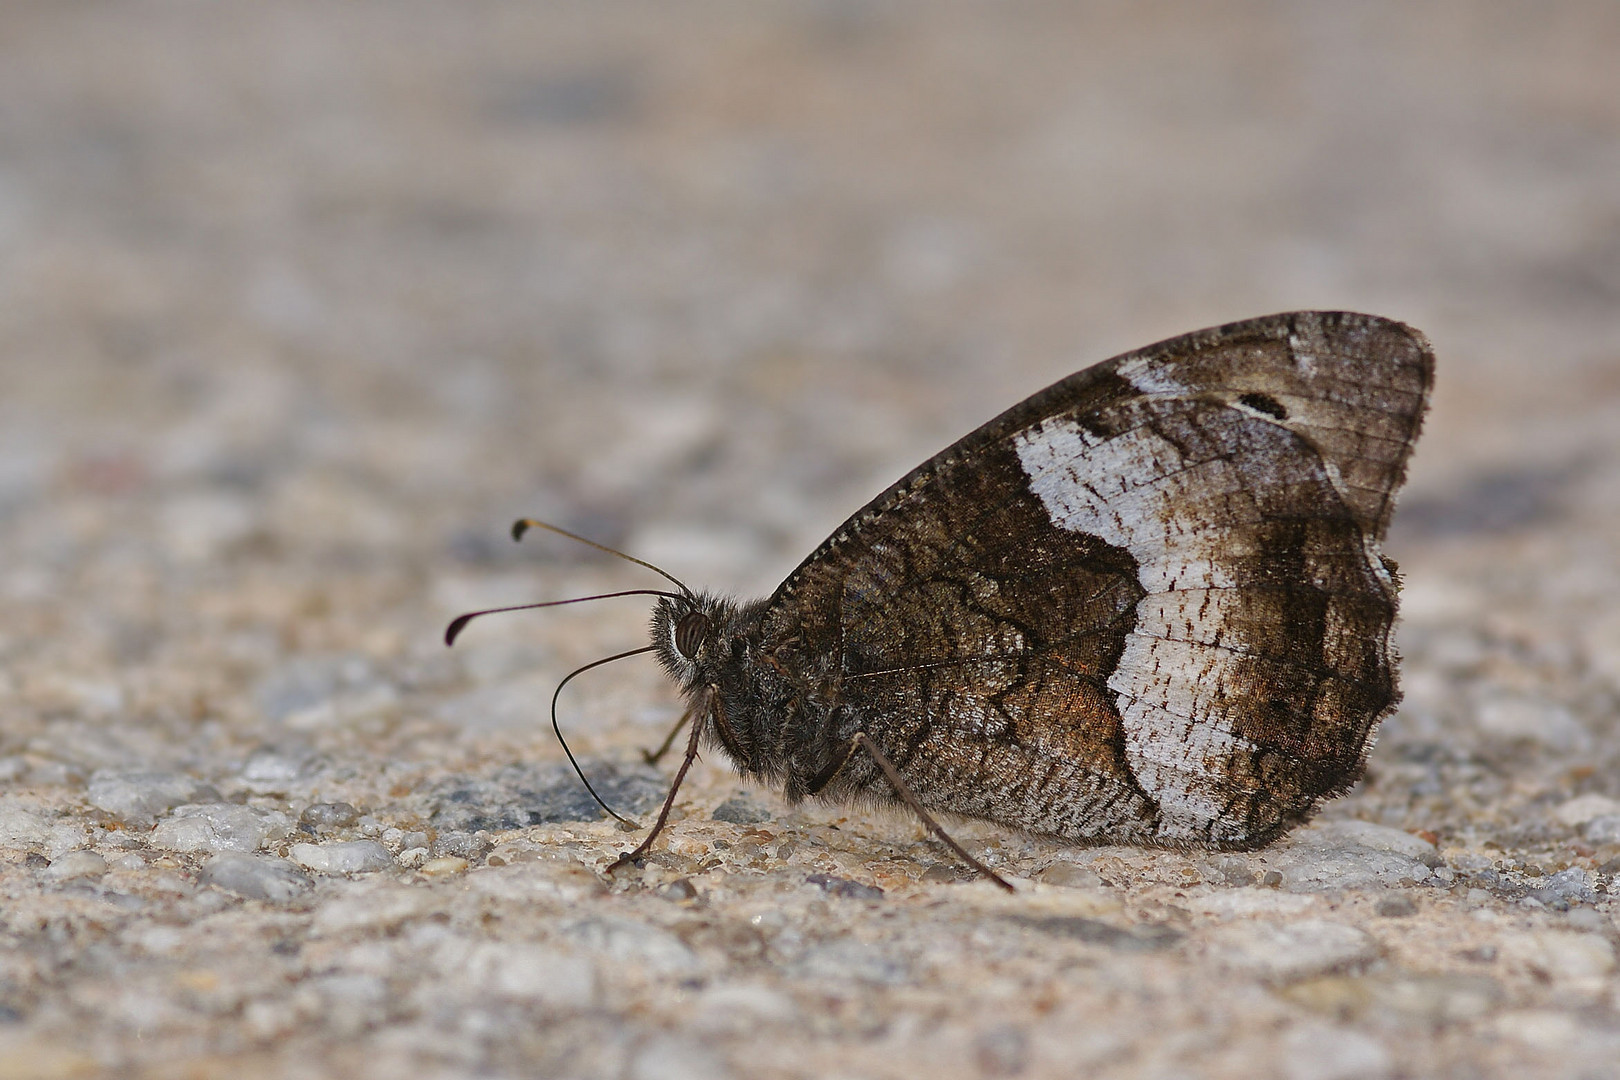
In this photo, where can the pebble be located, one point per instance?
(1070, 876)
(413, 858)
(1286, 952)
(220, 827)
(1351, 855)
(741, 810)
(342, 857)
(444, 866)
(76, 864)
(462, 845)
(329, 815)
(1566, 887)
(24, 828)
(142, 796)
(256, 877)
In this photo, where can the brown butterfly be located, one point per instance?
(1146, 605)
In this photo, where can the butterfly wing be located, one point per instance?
(1146, 604)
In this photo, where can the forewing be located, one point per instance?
(1146, 603)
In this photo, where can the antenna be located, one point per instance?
(523, 525)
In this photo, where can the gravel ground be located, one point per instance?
(301, 304)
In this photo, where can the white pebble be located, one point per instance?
(220, 827)
(342, 857)
(76, 864)
(257, 877)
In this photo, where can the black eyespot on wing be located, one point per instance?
(1265, 403)
(690, 634)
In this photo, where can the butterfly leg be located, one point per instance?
(669, 801)
(864, 742)
(652, 757)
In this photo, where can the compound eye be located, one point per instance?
(690, 634)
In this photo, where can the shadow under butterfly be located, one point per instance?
(1146, 605)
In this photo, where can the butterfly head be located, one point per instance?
(691, 635)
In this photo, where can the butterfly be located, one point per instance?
(1146, 605)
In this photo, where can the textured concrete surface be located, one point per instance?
(301, 304)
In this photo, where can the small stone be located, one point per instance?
(850, 890)
(1070, 876)
(741, 810)
(1566, 887)
(21, 826)
(76, 864)
(342, 857)
(444, 866)
(329, 815)
(413, 858)
(142, 796)
(256, 877)
(1583, 808)
(465, 845)
(1351, 855)
(219, 827)
(1287, 952)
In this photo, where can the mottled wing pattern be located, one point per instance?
(1144, 605)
